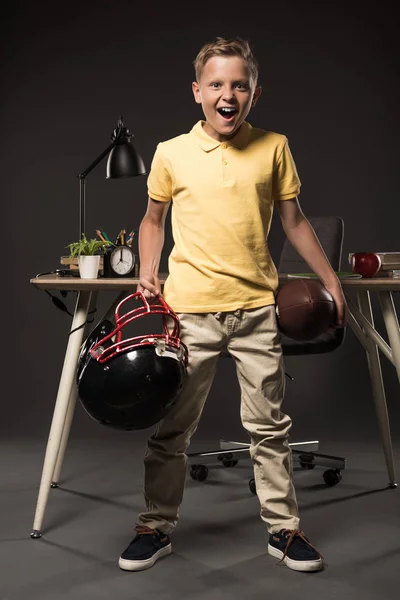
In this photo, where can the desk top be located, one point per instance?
(108, 284)
(55, 282)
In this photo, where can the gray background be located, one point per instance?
(329, 78)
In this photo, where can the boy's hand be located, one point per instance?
(149, 285)
(336, 292)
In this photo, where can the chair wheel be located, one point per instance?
(308, 466)
(229, 462)
(306, 461)
(252, 486)
(332, 477)
(199, 472)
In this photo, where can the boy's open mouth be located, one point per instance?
(227, 113)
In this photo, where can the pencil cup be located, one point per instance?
(89, 266)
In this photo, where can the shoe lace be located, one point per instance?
(291, 534)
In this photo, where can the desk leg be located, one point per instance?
(378, 390)
(67, 382)
(392, 326)
(70, 411)
(64, 436)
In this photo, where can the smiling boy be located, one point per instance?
(223, 179)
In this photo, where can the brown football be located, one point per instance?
(305, 309)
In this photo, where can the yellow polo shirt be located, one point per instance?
(222, 203)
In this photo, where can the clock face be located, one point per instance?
(122, 260)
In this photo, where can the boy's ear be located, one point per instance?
(257, 94)
(196, 92)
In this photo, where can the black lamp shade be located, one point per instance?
(124, 161)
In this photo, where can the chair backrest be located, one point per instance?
(330, 233)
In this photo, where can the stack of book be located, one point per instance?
(390, 264)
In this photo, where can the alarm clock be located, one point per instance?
(119, 262)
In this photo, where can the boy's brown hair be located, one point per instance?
(226, 47)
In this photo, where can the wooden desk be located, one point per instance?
(360, 320)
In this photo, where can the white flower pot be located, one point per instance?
(89, 266)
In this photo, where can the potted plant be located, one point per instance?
(87, 252)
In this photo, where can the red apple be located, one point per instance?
(366, 264)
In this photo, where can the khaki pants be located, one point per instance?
(252, 339)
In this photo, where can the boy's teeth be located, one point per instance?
(227, 111)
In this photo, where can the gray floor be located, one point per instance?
(219, 548)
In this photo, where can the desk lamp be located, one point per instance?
(123, 161)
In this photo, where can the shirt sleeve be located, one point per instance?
(286, 182)
(159, 182)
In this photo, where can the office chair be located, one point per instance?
(330, 231)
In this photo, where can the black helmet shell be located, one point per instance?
(131, 383)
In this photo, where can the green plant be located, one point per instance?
(86, 247)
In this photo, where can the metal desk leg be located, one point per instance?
(66, 384)
(70, 411)
(378, 390)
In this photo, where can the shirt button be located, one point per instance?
(224, 146)
(225, 162)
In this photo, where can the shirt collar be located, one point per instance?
(207, 143)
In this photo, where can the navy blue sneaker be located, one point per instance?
(294, 549)
(145, 549)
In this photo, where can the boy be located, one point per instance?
(223, 179)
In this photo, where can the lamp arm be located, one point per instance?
(97, 160)
(82, 191)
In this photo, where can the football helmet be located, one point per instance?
(131, 383)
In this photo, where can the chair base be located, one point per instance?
(305, 454)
